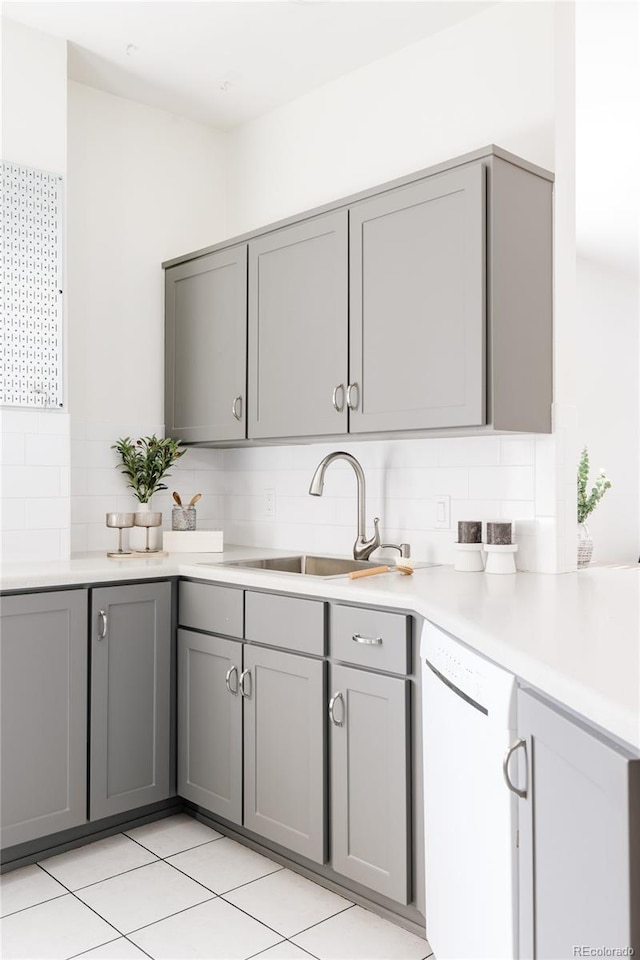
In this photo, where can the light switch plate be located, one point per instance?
(443, 513)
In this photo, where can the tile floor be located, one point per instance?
(176, 889)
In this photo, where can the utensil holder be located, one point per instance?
(183, 518)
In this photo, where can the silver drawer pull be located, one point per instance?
(505, 767)
(332, 712)
(338, 406)
(236, 409)
(102, 625)
(227, 681)
(371, 641)
(351, 403)
(244, 676)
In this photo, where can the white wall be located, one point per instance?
(144, 186)
(35, 444)
(489, 79)
(608, 306)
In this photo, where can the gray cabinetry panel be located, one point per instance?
(284, 794)
(298, 329)
(205, 345)
(210, 723)
(579, 842)
(417, 304)
(43, 722)
(130, 697)
(370, 780)
(370, 638)
(207, 606)
(290, 622)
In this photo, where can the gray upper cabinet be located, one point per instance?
(579, 837)
(417, 298)
(43, 718)
(370, 780)
(210, 723)
(284, 794)
(298, 329)
(205, 347)
(130, 697)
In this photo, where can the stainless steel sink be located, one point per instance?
(310, 566)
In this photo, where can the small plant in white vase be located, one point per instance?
(145, 463)
(587, 504)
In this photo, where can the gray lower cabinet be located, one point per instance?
(298, 329)
(370, 781)
(284, 758)
(579, 837)
(43, 720)
(205, 347)
(130, 697)
(210, 723)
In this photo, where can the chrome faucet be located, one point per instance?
(362, 548)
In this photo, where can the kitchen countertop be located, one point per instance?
(575, 636)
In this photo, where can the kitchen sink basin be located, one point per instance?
(311, 566)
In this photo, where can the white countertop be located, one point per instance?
(575, 636)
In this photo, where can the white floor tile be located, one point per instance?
(97, 861)
(286, 902)
(120, 949)
(54, 930)
(173, 835)
(25, 888)
(283, 951)
(143, 896)
(212, 931)
(358, 934)
(223, 865)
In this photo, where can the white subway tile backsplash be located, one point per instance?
(19, 421)
(46, 450)
(12, 514)
(91, 509)
(22, 546)
(503, 483)
(12, 449)
(430, 482)
(517, 452)
(469, 451)
(27, 481)
(47, 513)
(54, 421)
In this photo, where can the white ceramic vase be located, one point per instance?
(138, 535)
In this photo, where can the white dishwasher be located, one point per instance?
(468, 721)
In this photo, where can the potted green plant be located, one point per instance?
(587, 502)
(145, 463)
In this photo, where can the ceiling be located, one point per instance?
(223, 62)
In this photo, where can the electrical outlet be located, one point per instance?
(269, 503)
(443, 513)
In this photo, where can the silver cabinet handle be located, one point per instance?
(350, 402)
(246, 674)
(338, 406)
(505, 767)
(332, 711)
(227, 681)
(102, 624)
(372, 641)
(236, 408)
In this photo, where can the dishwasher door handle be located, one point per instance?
(505, 767)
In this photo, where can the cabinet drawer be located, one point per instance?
(206, 606)
(289, 622)
(370, 638)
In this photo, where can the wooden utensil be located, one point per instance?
(195, 499)
(373, 571)
(176, 497)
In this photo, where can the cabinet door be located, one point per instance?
(130, 697)
(43, 720)
(205, 347)
(417, 316)
(370, 780)
(298, 329)
(284, 794)
(210, 723)
(579, 843)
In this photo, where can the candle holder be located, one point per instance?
(148, 520)
(120, 521)
(499, 533)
